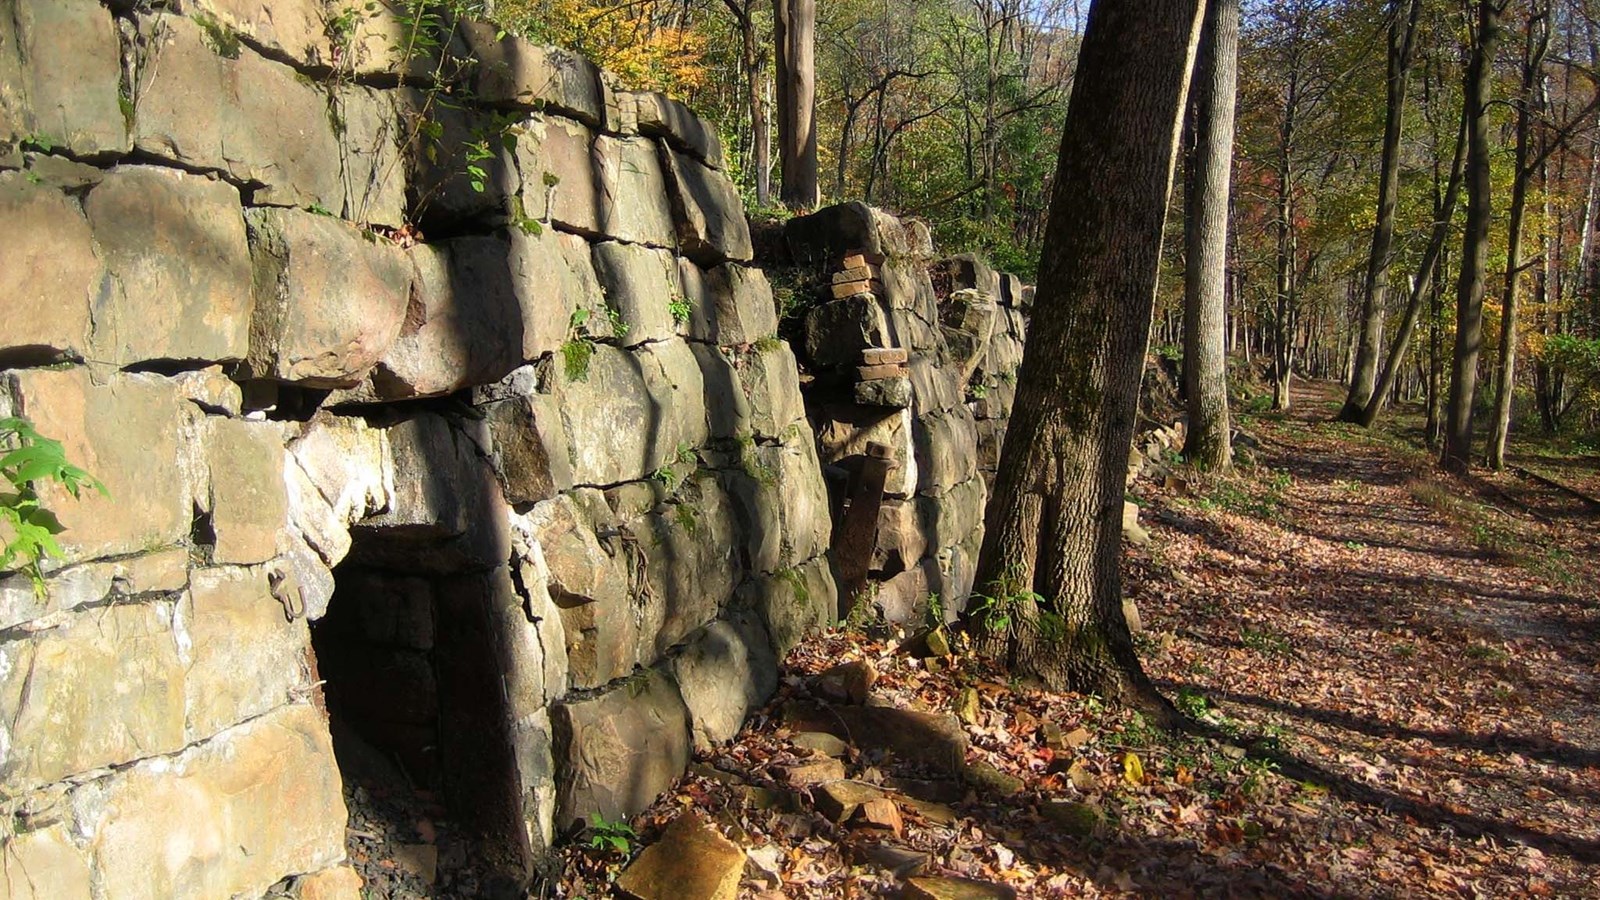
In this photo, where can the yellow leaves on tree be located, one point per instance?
(645, 42)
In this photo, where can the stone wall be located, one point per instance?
(919, 354)
(509, 430)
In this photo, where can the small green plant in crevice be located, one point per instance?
(578, 348)
(933, 613)
(1264, 640)
(797, 585)
(222, 40)
(614, 837)
(29, 461)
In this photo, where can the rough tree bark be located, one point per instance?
(1051, 604)
(795, 36)
(743, 12)
(1205, 295)
(1402, 43)
(1457, 455)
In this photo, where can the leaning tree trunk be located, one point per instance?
(794, 33)
(1205, 294)
(1052, 604)
(1422, 286)
(1375, 289)
(1457, 455)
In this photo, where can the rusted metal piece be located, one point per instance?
(857, 533)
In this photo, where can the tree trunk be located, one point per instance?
(760, 134)
(1205, 290)
(1529, 106)
(1053, 528)
(794, 34)
(1402, 32)
(1422, 286)
(1457, 456)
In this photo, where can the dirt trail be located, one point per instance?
(1427, 644)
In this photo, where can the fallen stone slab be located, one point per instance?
(692, 859)
(929, 741)
(940, 888)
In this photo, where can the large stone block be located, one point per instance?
(627, 414)
(823, 236)
(60, 77)
(634, 204)
(730, 304)
(51, 274)
(727, 404)
(248, 504)
(226, 818)
(44, 864)
(511, 72)
(689, 553)
(463, 326)
(658, 115)
(643, 285)
(902, 535)
(179, 266)
(552, 277)
(836, 332)
(448, 513)
(952, 517)
(678, 396)
(587, 579)
(105, 687)
(161, 572)
(560, 173)
(129, 432)
(617, 752)
(807, 519)
(771, 382)
(294, 31)
(328, 301)
(243, 115)
(845, 432)
(794, 602)
(246, 656)
(947, 449)
(725, 672)
(372, 170)
(708, 211)
(351, 465)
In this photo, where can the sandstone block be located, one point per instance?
(228, 817)
(616, 752)
(511, 72)
(246, 656)
(163, 571)
(178, 263)
(947, 449)
(723, 674)
(552, 278)
(844, 432)
(60, 73)
(692, 859)
(337, 883)
(794, 602)
(351, 465)
(838, 332)
(691, 564)
(248, 503)
(291, 30)
(633, 197)
(105, 687)
(658, 115)
(968, 271)
(902, 535)
(559, 165)
(312, 518)
(463, 326)
(530, 448)
(462, 169)
(888, 393)
(835, 231)
(643, 285)
(244, 115)
(707, 209)
(588, 582)
(771, 382)
(372, 172)
(730, 304)
(129, 433)
(329, 302)
(678, 393)
(43, 864)
(52, 272)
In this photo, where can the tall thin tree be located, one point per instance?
(795, 34)
(1402, 42)
(1205, 289)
